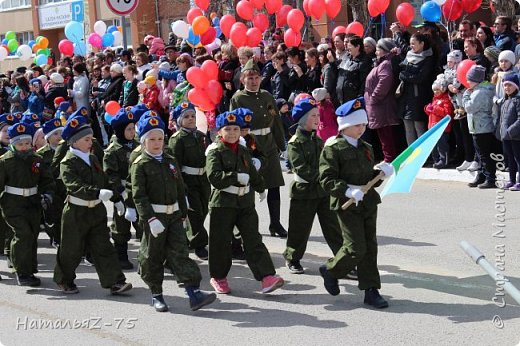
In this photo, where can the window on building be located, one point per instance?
(14, 4)
(45, 2)
(22, 37)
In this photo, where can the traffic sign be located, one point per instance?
(77, 11)
(122, 7)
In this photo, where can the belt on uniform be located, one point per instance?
(261, 132)
(193, 170)
(240, 191)
(83, 202)
(165, 208)
(20, 191)
(299, 179)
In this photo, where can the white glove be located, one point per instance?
(257, 163)
(131, 215)
(262, 196)
(242, 141)
(243, 178)
(355, 192)
(120, 207)
(156, 227)
(386, 168)
(105, 195)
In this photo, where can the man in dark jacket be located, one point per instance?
(56, 89)
(504, 35)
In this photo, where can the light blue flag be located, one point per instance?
(410, 161)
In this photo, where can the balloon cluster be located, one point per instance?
(207, 90)
(111, 109)
(355, 28)
(74, 32)
(451, 9)
(39, 47)
(104, 36)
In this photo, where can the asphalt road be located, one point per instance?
(437, 295)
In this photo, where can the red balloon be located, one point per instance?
(245, 10)
(66, 47)
(210, 68)
(340, 29)
(112, 107)
(452, 9)
(49, 61)
(204, 4)
(462, 71)
(295, 19)
(214, 91)
(383, 5)
(471, 6)
(238, 34)
(197, 77)
(258, 4)
(254, 36)
(260, 21)
(198, 96)
(405, 13)
(373, 8)
(281, 16)
(332, 7)
(226, 22)
(273, 6)
(193, 13)
(209, 36)
(292, 38)
(301, 96)
(355, 28)
(306, 8)
(317, 7)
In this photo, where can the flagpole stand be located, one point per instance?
(365, 189)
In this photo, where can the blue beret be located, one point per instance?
(73, 125)
(83, 112)
(350, 107)
(246, 115)
(18, 130)
(51, 125)
(229, 118)
(138, 110)
(7, 119)
(30, 118)
(302, 107)
(64, 106)
(122, 118)
(148, 123)
(352, 113)
(35, 80)
(181, 109)
(18, 116)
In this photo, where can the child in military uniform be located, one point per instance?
(23, 180)
(52, 215)
(234, 177)
(307, 196)
(159, 196)
(115, 165)
(6, 120)
(84, 221)
(188, 146)
(346, 164)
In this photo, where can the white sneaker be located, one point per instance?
(463, 166)
(474, 166)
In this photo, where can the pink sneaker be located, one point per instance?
(271, 283)
(220, 285)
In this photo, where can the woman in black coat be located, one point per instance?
(312, 77)
(417, 76)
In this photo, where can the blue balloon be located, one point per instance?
(74, 31)
(192, 38)
(41, 59)
(111, 29)
(31, 43)
(108, 40)
(5, 41)
(216, 21)
(80, 49)
(108, 118)
(219, 31)
(431, 11)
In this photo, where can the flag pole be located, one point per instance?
(365, 189)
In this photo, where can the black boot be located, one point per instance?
(122, 254)
(372, 297)
(27, 280)
(198, 299)
(329, 281)
(275, 227)
(158, 303)
(479, 179)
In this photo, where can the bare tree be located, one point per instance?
(504, 7)
(359, 10)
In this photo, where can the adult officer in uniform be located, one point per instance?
(268, 129)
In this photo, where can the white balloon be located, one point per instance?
(24, 52)
(118, 38)
(100, 27)
(439, 2)
(181, 29)
(218, 42)
(3, 53)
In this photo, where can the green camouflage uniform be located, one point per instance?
(22, 213)
(228, 210)
(83, 227)
(189, 151)
(161, 183)
(5, 232)
(308, 198)
(340, 164)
